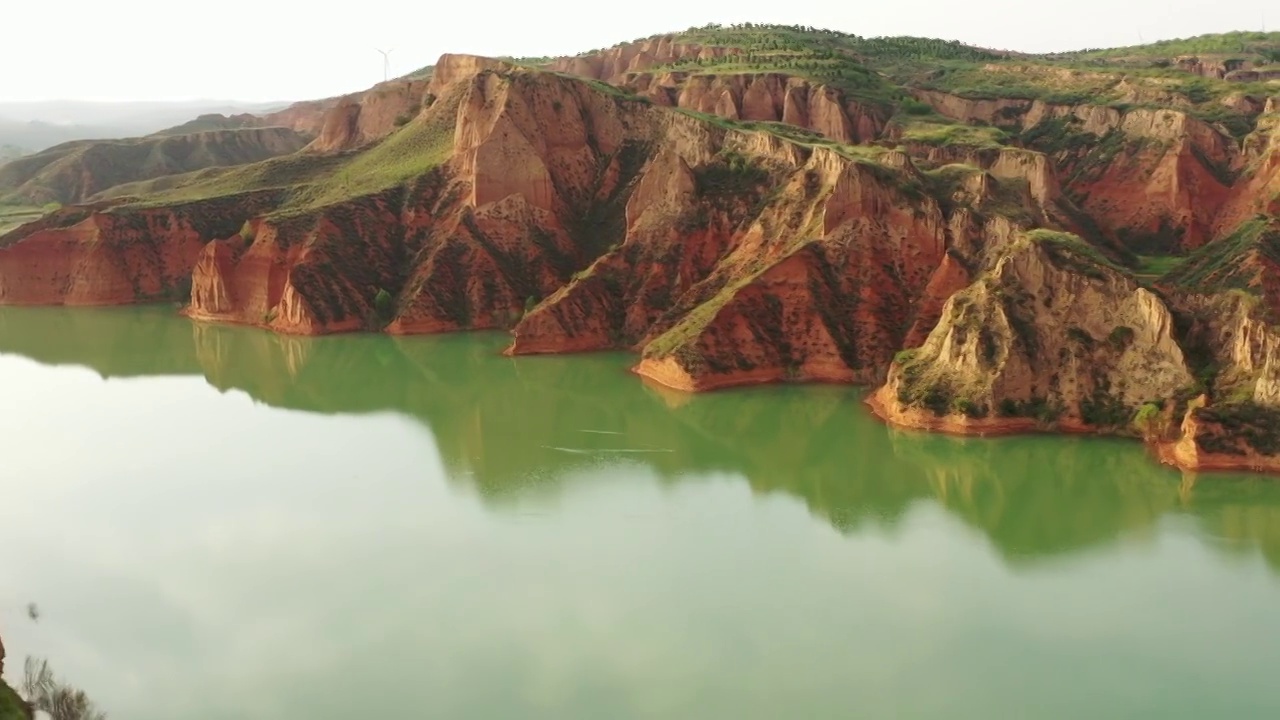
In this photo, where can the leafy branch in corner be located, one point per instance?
(45, 693)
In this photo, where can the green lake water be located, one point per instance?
(221, 523)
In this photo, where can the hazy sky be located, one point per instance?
(264, 50)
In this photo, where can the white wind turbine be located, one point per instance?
(386, 63)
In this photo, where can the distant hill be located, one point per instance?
(36, 126)
(75, 171)
(214, 121)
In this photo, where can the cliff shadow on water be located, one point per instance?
(515, 427)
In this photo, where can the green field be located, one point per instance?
(11, 216)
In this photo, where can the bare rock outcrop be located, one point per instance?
(613, 64)
(360, 119)
(1051, 336)
(763, 97)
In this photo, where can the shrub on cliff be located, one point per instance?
(46, 694)
(383, 308)
(1148, 420)
(11, 705)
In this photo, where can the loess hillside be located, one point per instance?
(76, 171)
(1005, 241)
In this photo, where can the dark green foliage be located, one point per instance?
(1037, 408)
(970, 409)
(1221, 172)
(1257, 426)
(1058, 135)
(383, 305)
(1121, 337)
(1148, 416)
(1164, 240)
(1235, 123)
(937, 398)
(1103, 410)
(839, 314)
(11, 706)
(731, 173)
(987, 345)
(1197, 91)
(915, 107)
(1080, 337)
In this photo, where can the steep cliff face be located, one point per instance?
(1155, 179)
(1012, 181)
(528, 192)
(1258, 190)
(1248, 259)
(540, 171)
(590, 220)
(306, 117)
(1233, 437)
(303, 274)
(75, 171)
(762, 97)
(1051, 335)
(360, 119)
(613, 64)
(803, 265)
(1234, 424)
(1212, 67)
(1002, 112)
(86, 256)
(821, 286)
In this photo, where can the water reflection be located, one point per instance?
(515, 427)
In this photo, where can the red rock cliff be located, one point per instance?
(613, 64)
(101, 256)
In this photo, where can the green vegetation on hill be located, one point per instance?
(11, 216)
(943, 133)
(210, 122)
(1072, 251)
(1239, 44)
(878, 70)
(852, 63)
(1225, 264)
(76, 171)
(311, 181)
(11, 706)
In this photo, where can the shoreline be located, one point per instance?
(1181, 454)
(1172, 453)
